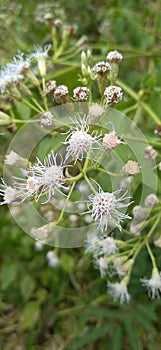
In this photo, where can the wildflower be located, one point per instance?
(111, 140)
(125, 182)
(113, 94)
(119, 291)
(27, 187)
(151, 200)
(153, 284)
(73, 218)
(49, 174)
(38, 246)
(41, 55)
(79, 142)
(102, 68)
(81, 93)
(139, 213)
(114, 57)
(92, 244)
(9, 194)
(95, 111)
(102, 265)
(61, 94)
(15, 159)
(53, 260)
(41, 233)
(104, 206)
(21, 65)
(150, 153)
(49, 87)
(46, 119)
(9, 78)
(131, 168)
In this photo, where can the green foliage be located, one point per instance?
(67, 308)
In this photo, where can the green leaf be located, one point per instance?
(90, 336)
(131, 335)
(23, 110)
(29, 315)
(67, 262)
(9, 274)
(27, 286)
(116, 340)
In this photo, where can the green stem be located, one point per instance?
(27, 103)
(69, 194)
(137, 98)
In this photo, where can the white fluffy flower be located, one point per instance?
(118, 291)
(41, 55)
(8, 193)
(92, 244)
(104, 206)
(50, 174)
(20, 63)
(102, 265)
(79, 142)
(27, 187)
(52, 259)
(153, 285)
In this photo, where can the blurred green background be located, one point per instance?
(67, 307)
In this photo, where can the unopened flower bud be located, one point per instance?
(61, 94)
(131, 168)
(81, 93)
(15, 159)
(151, 200)
(113, 94)
(139, 213)
(150, 153)
(5, 119)
(46, 119)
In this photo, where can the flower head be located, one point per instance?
(153, 285)
(41, 55)
(131, 168)
(114, 57)
(113, 94)
(9, 193)
(49, 174)
(118, 291)
(102, 264)
(151, 200)
(150, 153)
(81, 93)
(104, 206)
(50, 87)
(20, 63)
(79, 142)
(61, 94)
(111, 140)
(46, 119)
(52, 259)
(102, 68)
(40, 52)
